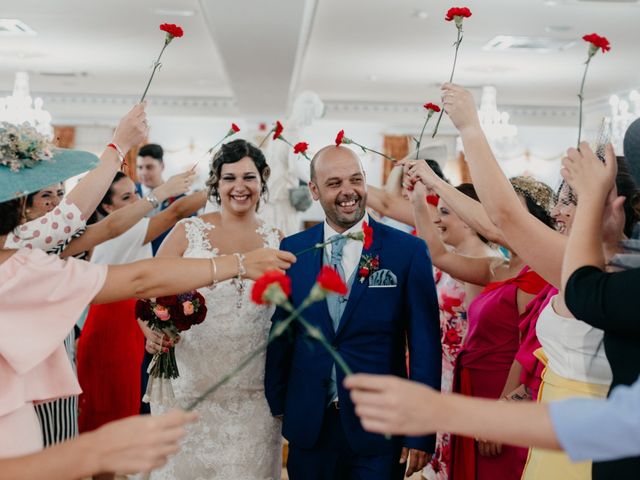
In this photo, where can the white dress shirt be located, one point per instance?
(352, 250)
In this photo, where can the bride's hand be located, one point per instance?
(257, 262)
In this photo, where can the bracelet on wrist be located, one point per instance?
(152, 199)
(241, 270)
(214, 273)
(118, 150)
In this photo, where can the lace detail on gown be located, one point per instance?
(235, 437)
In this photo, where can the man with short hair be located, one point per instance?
(387, 308)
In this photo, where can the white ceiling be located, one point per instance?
(259, 53)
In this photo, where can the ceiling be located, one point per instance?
(256, 55)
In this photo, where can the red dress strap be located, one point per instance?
(527, 280)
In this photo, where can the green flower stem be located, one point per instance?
(455, 61)
(317, 246)
(581, 98)
(266, 136)
(367, 149)
(429, 115)
(292, 146)
(278, 330)
(155, 67)
(219, 142)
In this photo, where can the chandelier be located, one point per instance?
(19, 107)
(495, 123)
(622, 114)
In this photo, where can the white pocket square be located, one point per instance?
(383, 278)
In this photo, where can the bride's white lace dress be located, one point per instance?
(235, 438)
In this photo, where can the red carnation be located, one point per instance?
(598, 42)
(432, 106)
(300, 147)
(235, 128)
(368, 235)
(454, 12)
(262, 293)
(173, 31)
(278, 130)
(339, 138)
(330, 281)
(433, 200)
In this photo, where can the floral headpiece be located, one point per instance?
(22, 146)
(538, 192)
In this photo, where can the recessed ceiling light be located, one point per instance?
(558, 28)
(12, 26)
(171, 12)
(420, 14)
(532, 44)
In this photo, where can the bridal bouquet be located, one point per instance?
(169, 316)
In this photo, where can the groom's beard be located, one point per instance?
(346, 211)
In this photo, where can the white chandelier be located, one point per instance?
(20, 107)
(495, 123)
(622, 115)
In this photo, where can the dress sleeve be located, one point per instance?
(608, 301)
(40, 302)
(48, 231)
(594, 429)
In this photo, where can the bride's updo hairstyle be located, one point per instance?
(233, 152)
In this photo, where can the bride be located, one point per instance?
(236, 436)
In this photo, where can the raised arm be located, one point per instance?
(168, 276)
(131, 131)
(123, 219)
(178, 210)
(389, 205)
(467, 269)
(539, 246)
(470, 211)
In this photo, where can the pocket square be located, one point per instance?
(383, 278)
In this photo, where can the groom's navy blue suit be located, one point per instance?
(376, 327)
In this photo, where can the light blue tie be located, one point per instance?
(336, 305)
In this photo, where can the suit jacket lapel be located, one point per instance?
(358, 287)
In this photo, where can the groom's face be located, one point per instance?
(339, 183)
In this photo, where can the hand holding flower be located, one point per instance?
(587, 174)
(257, 262)
(461, 108)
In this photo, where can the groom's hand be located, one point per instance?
(417, 460)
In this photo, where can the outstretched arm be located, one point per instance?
(467, 269)
(130, 132)
(121, 220)
(178, 210)
(132, 445)
(389, 205)
(168, 276)
(539, 246)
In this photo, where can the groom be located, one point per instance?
(388, 308)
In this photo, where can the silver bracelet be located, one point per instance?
(152, 199)
(241, 270)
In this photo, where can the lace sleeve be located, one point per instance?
(48, 231)
(196, 232)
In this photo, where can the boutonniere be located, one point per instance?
(368, 264)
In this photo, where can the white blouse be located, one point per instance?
(125, 248)
(574, 349)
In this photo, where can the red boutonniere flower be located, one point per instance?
(431, 108)
(596, 42)
(341, 138)
(172, 31)
(369, 264)
(330, 281)
(271, 288)
(457, 15)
